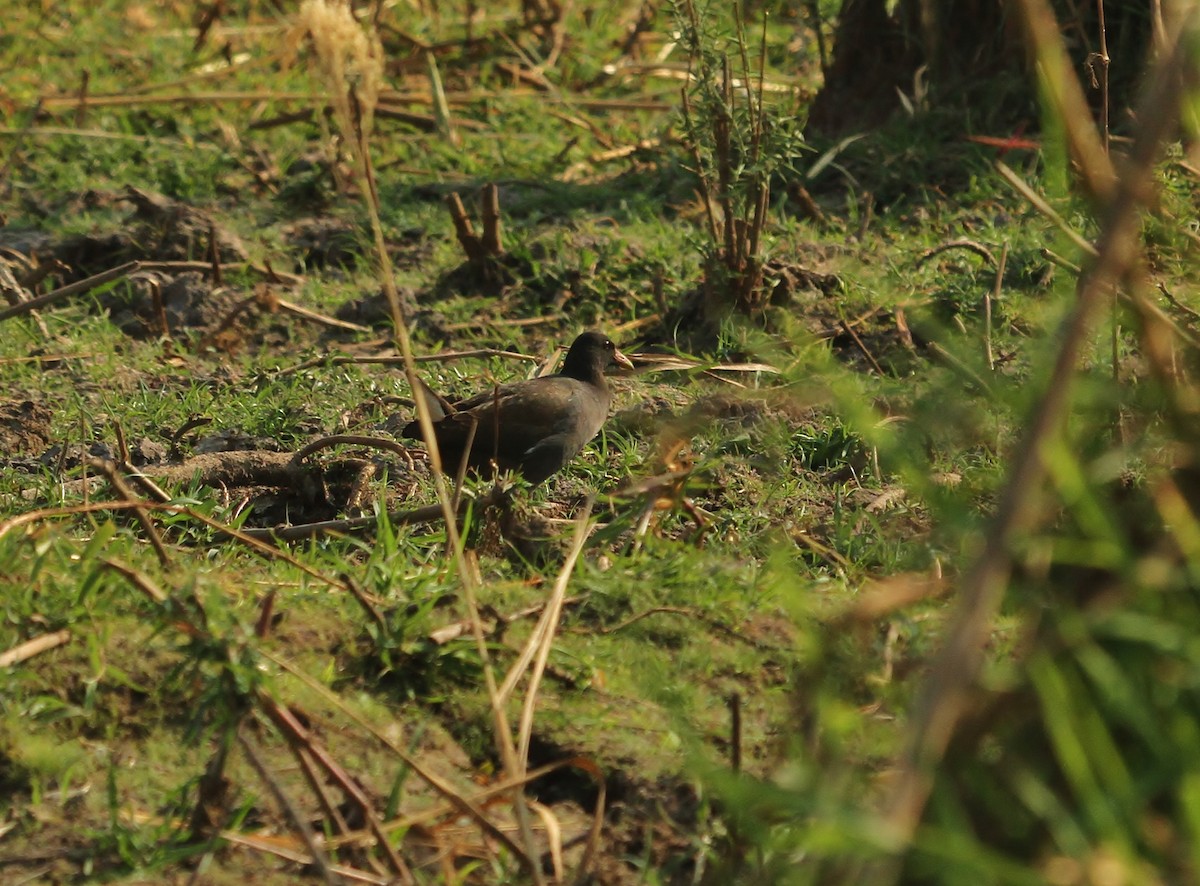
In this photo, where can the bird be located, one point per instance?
(532, 427)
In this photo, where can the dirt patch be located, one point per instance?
(325, 242)
(160, 229)
(24, 427)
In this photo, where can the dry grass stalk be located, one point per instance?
(299, 821)
(460, 803)
(113, 473)
(299, 739)
(441, 107)
(541, 640)
(946, 695)
(1039, 203)
(345, 53)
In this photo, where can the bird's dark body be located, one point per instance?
(531, 427)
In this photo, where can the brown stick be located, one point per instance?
(81, 111)
(735, 732)
(352, 440)
(318, 857)
(112, 472)
(849, 330)
(27, 650)
(443, 357)
(70, 289)
(463, 228)
(464, 804)
(315, 317)
(299, 737)
(988, 299)
(490, 215)
(205, 267)
(301, 531)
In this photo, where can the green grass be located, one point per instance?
(817, 485)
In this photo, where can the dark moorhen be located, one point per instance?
(533, 427)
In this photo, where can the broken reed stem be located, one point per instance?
(1103, 59)
(463, 228)
(463, 804)
(947, 692)
(988, 299)
(492, 239)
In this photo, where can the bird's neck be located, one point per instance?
(584, 372)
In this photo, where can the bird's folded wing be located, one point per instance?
(439, 407)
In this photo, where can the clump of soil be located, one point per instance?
(160, 229)
(24, 427)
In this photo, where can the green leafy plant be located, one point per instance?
(737, 142)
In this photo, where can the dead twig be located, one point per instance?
(317, 856)
(465, 805)
(298, 737)
(453, 631)
(391, 360)
(321, 319)
(203, 267)
(1039, 203)
(112, 472)
(1176, 303)
(326, 528)
(274, 847)
(988, 299)
(735, 731)
(849, 330)
(505, 322)
(464, 230)
(85, 285)
(353, 440)
(321, 529)
(969, 245)
(27, 650)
